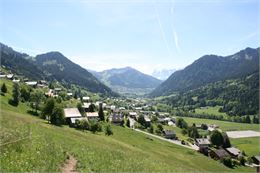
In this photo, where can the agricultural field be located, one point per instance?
(249, 145)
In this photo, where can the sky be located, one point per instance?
(143, 34)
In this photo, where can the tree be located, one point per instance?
(159, 129)
(184, 131)
(16, 94)
(80, 108)
(216, 138)
(84, 124)
(193, 132)
(48, 108)
(226, 141)
(151, 129)
(95, 126)
(25, 93)
(101, 113)
(141, 120)
(247, 120)
(3, 88)
(181, 123)
(92, 107)
(128, 122)
(256, 119)
(57, 116)
(228, 162)
(108, 130)
(36, 98)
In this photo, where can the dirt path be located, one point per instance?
(69, 166)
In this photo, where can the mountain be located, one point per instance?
(163, 74)
(18, 63)
(127, 80)
(57, 66)
(208, 69)
(51, 66)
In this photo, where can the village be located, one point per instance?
(138, 115)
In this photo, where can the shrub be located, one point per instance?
(227, 162)
(108, 130)
(3, 88)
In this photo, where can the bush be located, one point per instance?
(108, 130)
(3, 88)
(227, 162)
(95, 126)
(57, 116)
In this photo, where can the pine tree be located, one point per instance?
(3, 88)
(101, 113)
(16, 94)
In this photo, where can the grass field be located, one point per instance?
(250, 145)
(211, 111)
(126, 151)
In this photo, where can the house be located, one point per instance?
(71, 113)
(202, 143)
(57, 90)
(121, 108)
(218, 154)
(147, 120)
(85, 98)
(113, 107)
(70, 94)
(49, 93)
(31, 83)
(212, 127)
(117, 118)
(16, 80)
(2, 75)
(92, 115)
(10, 76)
(234, 152)
(133, 115)
(169, 134)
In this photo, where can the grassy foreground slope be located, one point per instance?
(47, 147)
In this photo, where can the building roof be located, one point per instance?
(257, 158)
(85, 98)
(73, 120)
(72, 113)
(31, 83)
(132, 113)
(9, 76)
(221, 153)
(169, 132)
(202, 141)
(147, 119)
(233, 151)
(117, 117)
(92, 114)
(69, 94)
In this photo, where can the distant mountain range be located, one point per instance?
(208, 69)
(51, 66)
(162, 74)
(127, 80)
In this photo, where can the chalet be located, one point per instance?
(121, 108)
(16, 80)
(234, 152)
(10, 76)
(92, 115)
(170, 123)
(203, 144)
(31, 83)
(2, 76)
(113, 107)
(57, 90)
(218, 154)
(169, 134)
(117, 118)
(71, 113)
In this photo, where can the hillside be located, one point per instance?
(51, 66)
(57, 66)
(210, 68)
(127, 79)
(17, 62)
(162, 74)
(45, 148)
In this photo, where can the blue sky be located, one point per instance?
(144, 34)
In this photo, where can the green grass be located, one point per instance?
(126, 151)
(211, 111)
(249, 145)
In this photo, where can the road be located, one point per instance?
(193, 147)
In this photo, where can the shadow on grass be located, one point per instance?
(13, 103)
(33, 113)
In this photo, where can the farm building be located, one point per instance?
(71, 113)
(117, 118)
